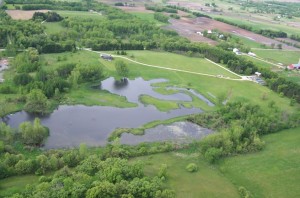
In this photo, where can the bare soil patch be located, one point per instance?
(23, 14)
(188, 30)
(190, 26)
(191, 5)
(288, 40)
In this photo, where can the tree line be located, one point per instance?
(156, 8)
(19, 35)
(265, 32)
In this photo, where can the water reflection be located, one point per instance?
(71, 125)
(178, 131)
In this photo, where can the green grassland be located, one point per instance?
(171, 60)
(207, 182)
(279, 56)
(293, 76)
(273, 172)
(81, 14)
(236, 90)
(249, 43)
(147, 17)
(260, 63)
(53, 27)
(16, 184)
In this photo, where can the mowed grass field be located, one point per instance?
(273, 172)
(148, 17)
(279, 56)
(207, 86)
(171, 60)
(208, 181)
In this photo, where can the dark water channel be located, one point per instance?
(71, 125)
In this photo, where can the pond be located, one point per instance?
(71, 125)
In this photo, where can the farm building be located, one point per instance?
(106, 57)
(294, 66)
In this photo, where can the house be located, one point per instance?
(294, 66)
(107, 57)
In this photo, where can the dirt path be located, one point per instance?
(179, 70)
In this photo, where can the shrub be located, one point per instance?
(213, 154)
(192, 167)
(244, 192)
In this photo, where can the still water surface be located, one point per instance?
(71, 125)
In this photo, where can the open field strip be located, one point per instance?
(261, 59)
(274, 49)
(279, 56)
(178, 70)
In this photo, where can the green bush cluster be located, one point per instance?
(192, 167)
(239, 124)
